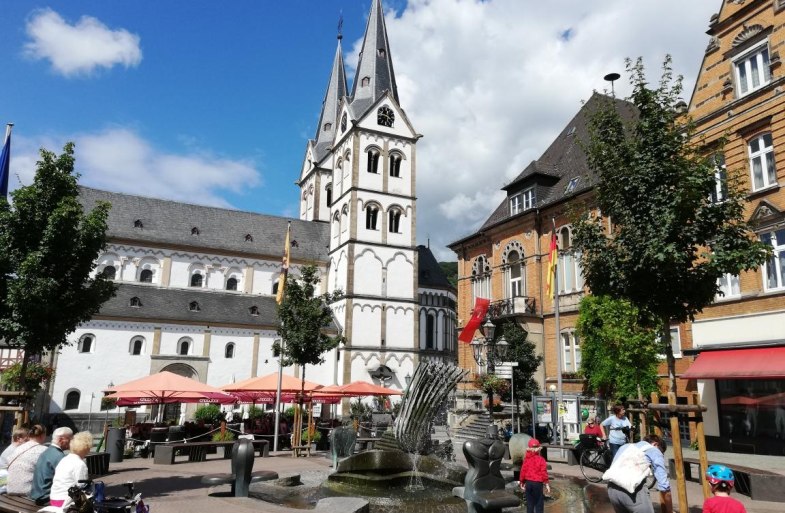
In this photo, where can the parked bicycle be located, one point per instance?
(596, 458)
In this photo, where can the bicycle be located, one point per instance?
(596, 458)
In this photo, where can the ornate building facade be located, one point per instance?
(197, 284)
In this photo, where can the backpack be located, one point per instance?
(630, 468)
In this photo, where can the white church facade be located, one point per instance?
(196, 284)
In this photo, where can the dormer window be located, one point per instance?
(343, 122)
(254, 310)
(381, 53)
(193, 306)
(195, 231)
(248, 237)
(522, 201)
(136, 302)
(327, 127)
(365, 82)
(571, 185)
(138, 224)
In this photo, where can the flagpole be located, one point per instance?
(279, 300)
(557, 329)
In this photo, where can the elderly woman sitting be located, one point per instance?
(71, 469)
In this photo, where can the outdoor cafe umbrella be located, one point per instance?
(355, 389)
(262, 389)
(165, 388)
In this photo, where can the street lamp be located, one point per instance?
(408, 379)
(488, 352)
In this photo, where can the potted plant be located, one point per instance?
(209, 414)
(315, 435)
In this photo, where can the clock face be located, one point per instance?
(385, 116)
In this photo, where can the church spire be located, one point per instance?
(336, 90)
(374, 70)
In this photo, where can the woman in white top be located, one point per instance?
(71, 469)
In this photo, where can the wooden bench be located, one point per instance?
(18, 504)
(197, 451)
(758, 484)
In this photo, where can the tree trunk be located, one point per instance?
(666, 339)
(302, 412)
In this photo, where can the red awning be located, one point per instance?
(757, 363)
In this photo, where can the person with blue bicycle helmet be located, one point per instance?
(721, 480)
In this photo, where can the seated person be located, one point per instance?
(21, 465)
(45, 466)
(18, 437)
(71, 469)
(594, 428)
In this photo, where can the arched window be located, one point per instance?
(571, 347)
(344, 218)
(481, 278)
(371, 217)
(328, 190)
(197, 279)
(136, 347)
(86, 344)
(343, 123)
(327, 127)
(373, 160)
(336, 224)
(231, 284)
(109, 272)
(146, 276)
(569, 268)
(184, 346)
(72, 400)
(515, 277)
(193, 306)
(365, 82)
(229, 350)
(395, 164)
(394, 221)
(136, 302)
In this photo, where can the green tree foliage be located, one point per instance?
(618, 352)
(209, 414)
(670, 242)
(48, 247)
(305, 318)
(36, 376)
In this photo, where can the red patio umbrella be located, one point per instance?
(262, 389)
(359, 389)
(164, 388)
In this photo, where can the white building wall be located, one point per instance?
(756, 327)
(400, 327)
(224, 370)
(367, 323)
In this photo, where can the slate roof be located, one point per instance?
(336, 90)
(563, 161)
(431, 273)
(171, 222)
(171, 304)
(375, 60)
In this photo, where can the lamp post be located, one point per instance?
(487, 351)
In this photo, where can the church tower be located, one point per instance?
(359, 174)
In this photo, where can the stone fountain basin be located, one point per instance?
(383, 468)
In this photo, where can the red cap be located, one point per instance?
(533, 443)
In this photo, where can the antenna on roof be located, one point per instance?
(612, 77)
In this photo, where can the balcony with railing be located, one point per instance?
(519, 305)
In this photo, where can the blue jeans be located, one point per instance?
(614, 448)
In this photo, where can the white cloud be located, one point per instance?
(118, 159)
(81, 48)
(491, 83)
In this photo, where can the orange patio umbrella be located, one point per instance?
(263, 388)
(356, 389)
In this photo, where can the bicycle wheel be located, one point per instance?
(592, 465)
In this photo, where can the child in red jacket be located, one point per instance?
(534, 478)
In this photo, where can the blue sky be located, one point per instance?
(212, 102)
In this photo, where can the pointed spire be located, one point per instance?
(336, 89)
(375, 70)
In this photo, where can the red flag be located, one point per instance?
(554, 256)
(478, 314)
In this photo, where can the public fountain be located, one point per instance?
(410, 479)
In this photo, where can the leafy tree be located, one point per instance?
(305, 318)
(48, 247)
(525, 353)
(670, 242)
(618, 352)
(450, 270)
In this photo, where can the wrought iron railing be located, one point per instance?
(518, 305)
